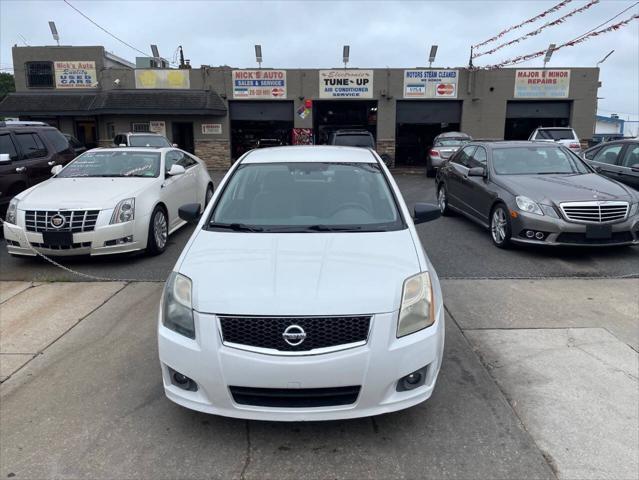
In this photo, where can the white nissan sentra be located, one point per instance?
(303, 294)
(106, 201)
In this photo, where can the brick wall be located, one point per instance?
(216, 153)
(387, 146)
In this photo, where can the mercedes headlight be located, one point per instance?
(525, 204)
(417, 310)
(12, 212)
(124, 211)
(177, 308)
(634, 209)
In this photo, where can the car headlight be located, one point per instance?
(177, 308)
(124, 211)
(12, 211)
(525, 204)
(417, 310)
(634, 209)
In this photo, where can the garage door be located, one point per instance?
(523, 117)
(261, 111)
(425, 112)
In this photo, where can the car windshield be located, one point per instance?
(307, 197)
(113, 164)
(536, 161)
(556, 134)
(148, 141)
(451, 142)
(354, 140)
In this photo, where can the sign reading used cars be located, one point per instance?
(346, 84)
(259, 84)
(430, 83)
(542, 83)
(75, 74)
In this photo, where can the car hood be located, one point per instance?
(60, 193)
(299, 273)
(549, 189)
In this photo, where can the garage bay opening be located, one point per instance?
(332, 115)
(522, 118)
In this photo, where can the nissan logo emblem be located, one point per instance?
(294, 335)
(57, 221)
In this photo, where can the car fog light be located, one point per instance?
(412, 380)
(539, 236)
(530, 233)
(182, 381)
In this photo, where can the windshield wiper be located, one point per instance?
(237, 227)
(333, 228)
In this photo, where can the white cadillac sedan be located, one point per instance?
(107, 200)
(303, 294)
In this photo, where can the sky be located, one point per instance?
(310, 34)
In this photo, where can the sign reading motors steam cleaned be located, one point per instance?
(430, 83)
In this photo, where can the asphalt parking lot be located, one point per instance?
(457, 247)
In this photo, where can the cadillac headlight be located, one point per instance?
(124, 211)
(525, 204)
(12, 211)
(417, 310)
(177, 308)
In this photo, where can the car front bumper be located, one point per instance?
(376, 367)
(22, 242)
(560, 232)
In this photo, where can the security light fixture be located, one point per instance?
(155, 51)
(54, 32)
(551, 48)
(432, 55)
(258, 55)
(345, 54)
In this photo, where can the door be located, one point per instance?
(606, 161)
(86, 133)
(457, 176)
(11, 181)
(35, 163)
(475, 190)
(630, 166)
(183, 136)
(178, 190)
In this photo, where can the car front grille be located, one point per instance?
(75, 221)
(295, 397)
(61, 247)
(595, 212)
(267, 333)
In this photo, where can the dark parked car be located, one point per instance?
(28, 151)
(352, 138)
(530, 192)
(78, 147)
(618, 160)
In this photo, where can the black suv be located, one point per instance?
(28, 151)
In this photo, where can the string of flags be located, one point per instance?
(571, 43)
(539, 30)
(530, 20)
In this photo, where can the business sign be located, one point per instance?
(157, 127)
(162, 78)
(430, 83)
(259, 84)
(346, 84)
(75, 74)
(542, 83)
(211, 129)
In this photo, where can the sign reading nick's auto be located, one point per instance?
(542, 83)
(259, 84)
(430, 83)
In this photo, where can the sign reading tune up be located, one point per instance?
(259, 84)
(430, 83)
(542, 83)
(346, 84)
(75, 74)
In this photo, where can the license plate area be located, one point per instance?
(599, 232)
(57, 239)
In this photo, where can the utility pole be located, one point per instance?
(182, 65)
(470, 60)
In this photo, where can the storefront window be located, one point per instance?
(39, 74)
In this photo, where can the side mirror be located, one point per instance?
(190, 212)
(57, 169)
(425, 212)
(176, 170)
(5, 158)
(477, 172)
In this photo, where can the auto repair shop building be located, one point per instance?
(220, 112)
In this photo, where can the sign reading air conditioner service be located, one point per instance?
(430, 83)
(542, 83)
(75, 74)
(346, 84)
(259, 84)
